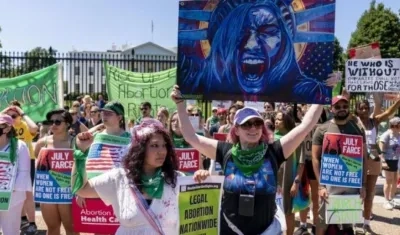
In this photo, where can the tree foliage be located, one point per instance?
(338, 58)
(378, 24)
(39, 58)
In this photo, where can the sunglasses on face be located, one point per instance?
(53, 122)
(143, 109)
(249, 124)
(14, 116)
(338, 107)
(194, 115)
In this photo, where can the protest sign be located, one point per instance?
(342, 160)
(131, 89)
(38, 92)
(257, 105)
(344, 209)
(104, 154)
(366, 52)
(8, 174)
(189, 159)
(195, 121)
(53, 176)
(225, 104)
(199, 205)
(218, 60)
(374, 75)
(95, 217)
(220, 136)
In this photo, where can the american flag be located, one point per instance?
(103, 157)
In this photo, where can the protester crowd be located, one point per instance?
(277, 151)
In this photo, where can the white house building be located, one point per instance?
(84, 71)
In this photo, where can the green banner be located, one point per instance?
(8, 174)
(111, 139)
(199, 205)
(37, 92)
(131, 89)
(337, 89)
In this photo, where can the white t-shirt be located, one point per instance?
(113, 188)
(23, 178)
(392, 151)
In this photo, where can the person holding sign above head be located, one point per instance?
(370, 123)
(54, 214)
(180, 144)
(389, 144)
(14, 172)
(341, 124)
(250, 165)
(143, 191)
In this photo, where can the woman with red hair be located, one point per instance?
(250, 166)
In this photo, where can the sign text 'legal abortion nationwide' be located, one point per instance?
(373, 75)
(342, 160)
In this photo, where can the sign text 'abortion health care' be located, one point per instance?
(53, 176)
(95, 217)
(188, 160)
(373, 75)
(199, 205)
(342, 160)
(104, 155)
(8, 172)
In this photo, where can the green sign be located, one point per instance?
(131, 89)
(199, 205)
(37, 92)
(344, 209)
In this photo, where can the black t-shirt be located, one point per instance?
(234, 185)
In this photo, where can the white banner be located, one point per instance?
(375, 75)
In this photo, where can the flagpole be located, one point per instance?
(152, 31)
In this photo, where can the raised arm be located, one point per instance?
(385, 115)
(377, 104)
(205, 146)
(295, 137)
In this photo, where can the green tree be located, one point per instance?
(338, 58)
(378, 24)
(38, 58)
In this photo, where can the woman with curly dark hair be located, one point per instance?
(143, 191)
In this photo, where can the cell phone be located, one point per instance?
(246, 205)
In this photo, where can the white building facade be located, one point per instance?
(84, 70)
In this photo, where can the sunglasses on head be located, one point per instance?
(338, 107)
(249, 124)
(53, 122)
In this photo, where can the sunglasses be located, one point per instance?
(76, 106)
(143, 109)
(270, 126)
(194, 115)
(338, 107)
(53, 122)
(14, 116)
(248, 125)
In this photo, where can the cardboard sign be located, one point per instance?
(189, 160)
(344, 209)
(53, 176)
(342, 160)
(220, 136)
(96, 217)
(8, 174)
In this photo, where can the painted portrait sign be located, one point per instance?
(256, 50)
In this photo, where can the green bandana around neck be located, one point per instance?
(278, 135)
(179, 141)
(13, 150)
(249, 161)
(153, 185)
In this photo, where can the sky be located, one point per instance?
(95, 25)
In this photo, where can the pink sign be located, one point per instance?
(96, 217)
(220, 136)
(189, 159)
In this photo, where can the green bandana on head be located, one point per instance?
(153, 185)
(249, 161)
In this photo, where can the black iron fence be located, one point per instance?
(84, 72)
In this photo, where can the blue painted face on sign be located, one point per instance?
(260, 42)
